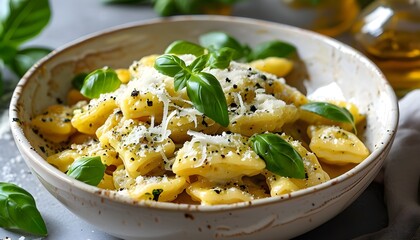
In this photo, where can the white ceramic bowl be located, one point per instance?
(325, 60)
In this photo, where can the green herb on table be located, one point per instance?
(89, 170)
(18, 211)
(100, 81)
(20, 21)
(330, 111)
(280, 157)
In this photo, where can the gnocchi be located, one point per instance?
(157, 146)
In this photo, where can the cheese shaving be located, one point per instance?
(242, 107)
(209, 139)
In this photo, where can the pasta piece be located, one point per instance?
(210, 193)
(314, 173)
(219, 158)
(90, 117)
(54, 123)
(124, 75)
(334, 145)
(141, 104)
(190, 119)
(287, 93)
(274, 65)
(74, 96)
(64, 159)
(158, 188)
(139, 146)
(265, 114)
(107, 182)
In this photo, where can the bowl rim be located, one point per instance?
(110, 195)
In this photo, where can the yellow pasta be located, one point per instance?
(219, 158)
(139, 148)
(274, 65)
(90, 117)
(334, 145)
(157, 145)
(55, 123)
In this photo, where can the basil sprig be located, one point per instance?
(280, 157)
(271, 49)
(203, 89)
(184, 47)
(219, 40)
(89, 170)
(18, 210)
(100, 81)
(330, 111)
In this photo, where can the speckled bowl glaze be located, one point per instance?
(324, 61)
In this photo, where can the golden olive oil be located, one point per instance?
(388, 32)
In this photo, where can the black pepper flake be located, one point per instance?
(59, 101)
(306, 175)
(228, 80)
(15, 120)
(235, 86)
(218, 191)
(66, 120)
(135, 93)
(223, 156)
(233, 105)
(42, 149)
(253, 108)
(149, 103)
(204, 123)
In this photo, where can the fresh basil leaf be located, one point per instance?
(23, 19)
(89, 170)
(280, 157)
(206, 93)
(78, 80)
(330, 111)
(180, 79)
(189, 6)
(18, 210)
(156, 193)
(100, 81)
(169, 65)
(199, 63)
(1, 81)
(7, 53)
(219, 40)
(221, 59)
(271, 49)
(26, 58)
(184, 47)
(165, 7)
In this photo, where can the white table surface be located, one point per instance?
(77, 18)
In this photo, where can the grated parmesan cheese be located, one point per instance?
(209, 139)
